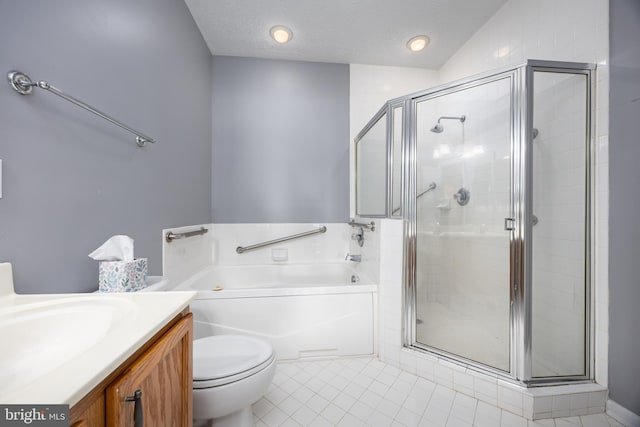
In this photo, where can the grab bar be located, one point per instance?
(242, 249)
(430, 187)
(370, 226)
(22, 84)
(171, 236)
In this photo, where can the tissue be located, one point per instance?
(117, 248)
(118, 270)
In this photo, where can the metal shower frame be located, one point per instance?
(521, 200)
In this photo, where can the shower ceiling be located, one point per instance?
(373, 32)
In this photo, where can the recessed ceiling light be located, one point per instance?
(281, 34)
(417, 43)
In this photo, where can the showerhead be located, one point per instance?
(438, 128)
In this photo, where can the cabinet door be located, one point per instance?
(163, 376)
(91, 416)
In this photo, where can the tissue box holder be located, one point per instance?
(122, 276)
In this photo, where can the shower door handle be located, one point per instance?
(509, 224)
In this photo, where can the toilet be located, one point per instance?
(230, 373)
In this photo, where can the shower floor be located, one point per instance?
(459, 332)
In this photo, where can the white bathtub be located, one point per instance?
(304, 310)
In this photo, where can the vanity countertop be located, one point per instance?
(58, 347)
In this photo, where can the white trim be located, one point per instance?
(622, 414)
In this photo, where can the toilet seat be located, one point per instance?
(223, 359)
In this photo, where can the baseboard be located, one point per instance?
(622, 414)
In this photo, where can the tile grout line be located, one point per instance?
(385, 383)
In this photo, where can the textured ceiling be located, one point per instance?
(342, 31)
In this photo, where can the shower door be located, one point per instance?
(463, 205)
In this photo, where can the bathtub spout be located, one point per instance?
(354, 258)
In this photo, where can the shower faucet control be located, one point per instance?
(354, 258)
(358, 236)
(462, 196)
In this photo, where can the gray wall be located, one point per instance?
(70, 179)
(280, 141)
(624, 204)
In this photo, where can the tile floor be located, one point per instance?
(363, 391)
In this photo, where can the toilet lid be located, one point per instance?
(225, 356)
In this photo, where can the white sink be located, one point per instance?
(57, 347)
(41, 336)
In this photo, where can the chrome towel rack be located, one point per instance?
(22, 84)
(242, 249)
(171, 236)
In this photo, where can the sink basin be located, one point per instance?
(40, 336)
(57, 347)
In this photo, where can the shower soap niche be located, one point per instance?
(280, 254)
(444, 205)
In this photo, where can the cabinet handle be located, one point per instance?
(137, 409)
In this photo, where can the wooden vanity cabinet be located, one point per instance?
(161, 371)
(91, 414)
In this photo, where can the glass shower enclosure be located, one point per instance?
(492, 178)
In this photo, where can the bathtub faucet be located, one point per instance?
(354, 258)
